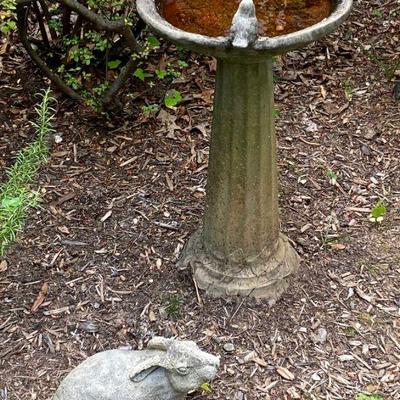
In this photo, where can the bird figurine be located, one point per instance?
(244, 25)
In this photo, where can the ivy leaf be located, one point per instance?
(113, 64)
(141, 74)
(153, 42)
(161, 74)
(172, 98)
(12, 24)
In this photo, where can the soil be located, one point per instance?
(121, 194)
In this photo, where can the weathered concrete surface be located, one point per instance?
(244, 25)
(167, 370)
(239, 250)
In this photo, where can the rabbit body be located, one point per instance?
(106, 376)
(167, 370)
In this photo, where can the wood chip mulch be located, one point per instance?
(94, 268)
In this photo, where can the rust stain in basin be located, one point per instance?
(214, 17)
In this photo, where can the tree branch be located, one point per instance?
(22, 33)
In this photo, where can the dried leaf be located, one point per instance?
(152, 316)
(40, 297)
(3, 266)
(169, 122)
(63, 229)
(364, 296)
(169, 183)
(346, 357)
(338, 246)
(323, 92)
(260, 361)
(285, 373)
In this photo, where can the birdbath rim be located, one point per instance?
(221, 46)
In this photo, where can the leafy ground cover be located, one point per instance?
(95, 266)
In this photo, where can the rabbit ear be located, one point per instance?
(160, 343)
(145, 368)
(140, 376)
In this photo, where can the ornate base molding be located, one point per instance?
(264, 276)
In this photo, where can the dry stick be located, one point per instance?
(47, 15)
(77, 26)
(199, 300)
(119, 81)
(22, 33)
(95, 19)
(125, 71)
(41, 25)
(66, 20)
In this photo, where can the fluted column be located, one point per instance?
(242, 200)
(239, 250)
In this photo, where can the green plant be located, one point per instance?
(362, 396)
(7, 16)
(332, 176)
(150, 108)
(206, 387)
(182, 64)
(85, 47)
(388, 68)
(348, 89)
(141, 74)
(276, 113)
(377, 13)
(173, 305)
(16, 195)
(172, 98)
(161, 74)
(350, 331)
(378, 212)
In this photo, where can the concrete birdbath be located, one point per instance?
(239, 250)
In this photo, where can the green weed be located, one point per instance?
(173, 305)
(172, 98)
(388, 68)
(348, 90)
(206, 387)
(150, 108)
(362, 396)
(332, 176)
(350, 331)
(378, 212)
(377, 13)
(16, 195)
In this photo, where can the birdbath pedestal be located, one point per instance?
(239, 249)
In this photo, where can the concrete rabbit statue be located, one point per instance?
(167, 370)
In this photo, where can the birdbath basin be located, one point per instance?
(239, 249)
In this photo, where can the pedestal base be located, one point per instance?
(264, 276)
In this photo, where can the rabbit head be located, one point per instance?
(186, 366)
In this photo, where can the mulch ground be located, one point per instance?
(120, 197)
